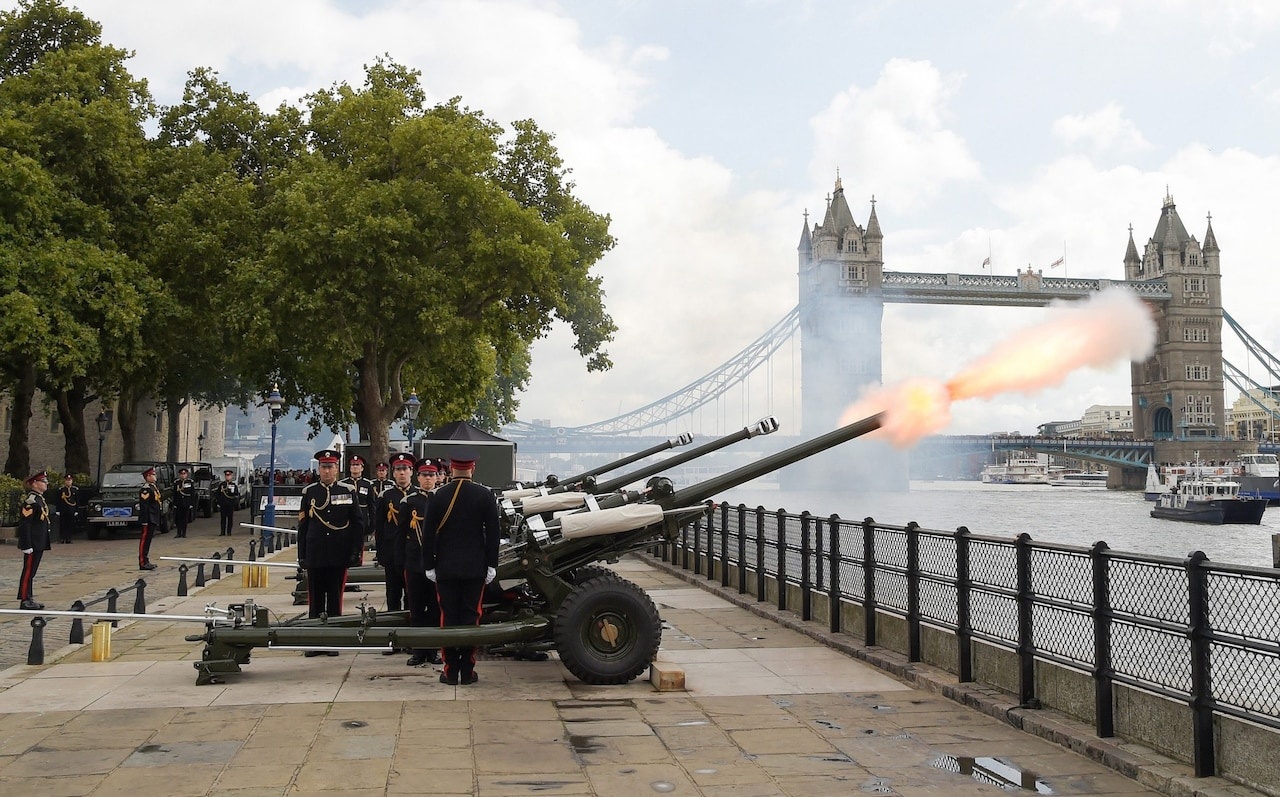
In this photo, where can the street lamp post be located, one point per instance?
(102, 420)
(275, 402)
(411, 408)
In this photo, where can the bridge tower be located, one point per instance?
(1178, 392)
(841, 268)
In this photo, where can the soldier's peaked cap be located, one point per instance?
(228, 472)
(463, 459)
(401, 460)
(327, 455)
(427, 466)
(38, 476)
(148, 472)
(356, 459)
(381, 466)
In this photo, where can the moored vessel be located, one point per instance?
(1214, 501)
(1096, 480)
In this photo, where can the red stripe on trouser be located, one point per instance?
(28, 575)
(142, 544)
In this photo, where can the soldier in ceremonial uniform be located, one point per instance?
(34, 536)
(460, 554)
(330, 536)
(386, 527)
(363, 490)
(227, 496)
(70, 505)
(184, 501)
(383, 480)
(419, 592)
(150, 515)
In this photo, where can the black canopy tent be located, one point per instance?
(495, 456)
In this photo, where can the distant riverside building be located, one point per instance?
(1252, 414)
(1060, 429)
(1107, 420)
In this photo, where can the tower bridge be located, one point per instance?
(1177, 394)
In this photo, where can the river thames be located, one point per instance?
(1069, 515)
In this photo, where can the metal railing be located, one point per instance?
(1201, 633)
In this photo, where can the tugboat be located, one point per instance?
(1215, 501)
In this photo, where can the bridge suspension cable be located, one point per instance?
(702, 391)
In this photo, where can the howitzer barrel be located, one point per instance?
(711, 487)
(763, 426)
(675, 442)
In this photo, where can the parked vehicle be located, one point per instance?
(243, 468)
(115, 507)
(202, 475)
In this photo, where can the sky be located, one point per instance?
(1023, 131)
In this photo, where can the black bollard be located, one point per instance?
(35, 654)
(231, 554)
(269, 543)
(77, 625)
(216, 575)
(112, 596)
(199, 574)
(140, 597)
(253, 550)
(182, 582)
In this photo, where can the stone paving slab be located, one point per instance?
(768, 711)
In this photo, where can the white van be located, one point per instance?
(243, 468)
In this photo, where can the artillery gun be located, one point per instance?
(587, 477)
(605, 629)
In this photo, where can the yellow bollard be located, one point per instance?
(101, 640)
(244, 575)
(262, 576)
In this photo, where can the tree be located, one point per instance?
(420, 243)
(71, 129)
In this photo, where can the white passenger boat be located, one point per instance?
(1096, 480)
(1017, 470)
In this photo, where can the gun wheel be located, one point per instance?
(607, 631)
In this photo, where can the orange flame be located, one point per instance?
(1088, 334)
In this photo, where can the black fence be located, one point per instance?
(1190, 630)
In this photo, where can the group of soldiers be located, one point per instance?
(435, 536)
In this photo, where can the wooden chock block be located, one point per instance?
(666, 677)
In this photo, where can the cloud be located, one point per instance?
(1104, 129)
(893, 135)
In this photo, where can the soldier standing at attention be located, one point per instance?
(363, 490)
(460, 554)
(227, 497)
(386, 527)
(34, 536)
(330, 536)
(382, 483)
(184, 502)
(70, 508)
(419, 592)
(150, 515)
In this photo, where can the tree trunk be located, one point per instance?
(374, 412)
(71, 404)
(174, 410)
(18, 463)
(127, 421)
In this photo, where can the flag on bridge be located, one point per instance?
(986, 262)
(1057, 262)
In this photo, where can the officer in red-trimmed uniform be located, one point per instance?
(386, 527)
(227, 496)
(330, 537)
(419, 592)
(34, 536)
(150, 512)
(384, 481)
(69, 504)
(460, 554)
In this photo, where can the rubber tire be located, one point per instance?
(613, 603)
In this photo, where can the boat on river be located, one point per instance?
(1017, 470)
(1214, 501)
(1257, 474)
(1096, 480)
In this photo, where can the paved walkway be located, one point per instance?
(767, 711)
